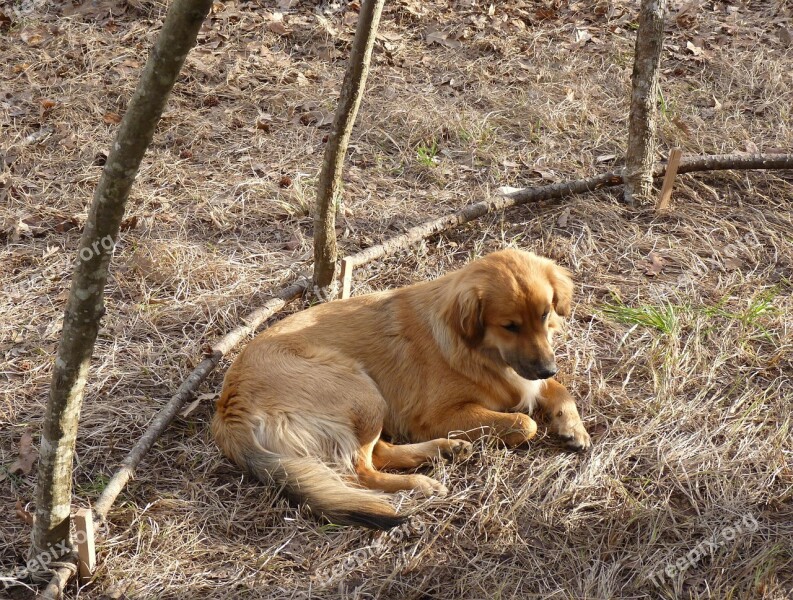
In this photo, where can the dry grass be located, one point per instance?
(685, 379)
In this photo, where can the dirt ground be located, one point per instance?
(679, 349)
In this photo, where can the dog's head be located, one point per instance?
(507, 306)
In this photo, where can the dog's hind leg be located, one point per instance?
(370, 477)
(410, 456)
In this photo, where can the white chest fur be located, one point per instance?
(530, 391)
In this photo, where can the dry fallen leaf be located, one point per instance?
(23, 515)
(149, 268)
(33, 37)
(442, 38)
(603, 158)
(14, 230)
(785, 36)
(543, 174)
(681, 125)
(563, 218)
(276, 24)
(27, 455)
(278, 27)
(111, 118)
(199, 399)
(654, 265)
(317, 118)
(130, 223)
(350, 19)
(45, 107)
(730, 258)
(732, 263)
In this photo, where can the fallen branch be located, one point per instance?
(60, 577)
(715, 162)
(554, 191)
(186, 391)
(737, 162)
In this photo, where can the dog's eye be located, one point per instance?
(545, 316)
(512, 327)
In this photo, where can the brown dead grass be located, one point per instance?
(691, 422)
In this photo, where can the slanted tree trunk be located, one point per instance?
(642, 123)
(85, 306)
(329, 186)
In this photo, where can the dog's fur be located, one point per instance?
(436, 364)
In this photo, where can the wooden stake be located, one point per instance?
(84, 523)
(346, 277)
(669, 180)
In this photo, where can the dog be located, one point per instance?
(307, 404)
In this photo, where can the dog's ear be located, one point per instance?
(468, 318)
(562, 286)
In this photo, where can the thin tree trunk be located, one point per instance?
(329, 186)
(85, 306)
(642, 121)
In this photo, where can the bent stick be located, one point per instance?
(553, 191)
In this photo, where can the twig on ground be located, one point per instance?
(559, 190)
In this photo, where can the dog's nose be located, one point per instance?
(546, 372)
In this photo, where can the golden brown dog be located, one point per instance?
(435, 364)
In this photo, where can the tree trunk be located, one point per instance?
(642, 122)
(85, 306)
(329, 186)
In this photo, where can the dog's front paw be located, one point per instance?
(456, 448)
(428, 486)
(521, 432)
(574, 436)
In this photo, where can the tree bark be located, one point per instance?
(329, 186)
(642, 120)
(85, 306)
(728, 162)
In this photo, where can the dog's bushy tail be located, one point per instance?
(305, 480)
